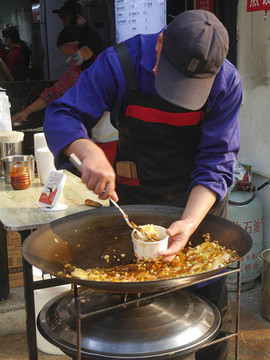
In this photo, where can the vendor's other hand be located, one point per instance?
(99, 175)
(19, 117)
(179, 233)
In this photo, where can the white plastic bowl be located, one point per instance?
(149, 250)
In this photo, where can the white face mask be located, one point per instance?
(77, 58)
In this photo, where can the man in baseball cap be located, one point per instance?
(66, 13)
(195, 46)
(67, 8)
(177, 100)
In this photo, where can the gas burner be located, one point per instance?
(158, 327)
(169, 326)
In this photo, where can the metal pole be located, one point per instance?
(238, 311)
(79, 322)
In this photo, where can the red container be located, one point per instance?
(20, 177)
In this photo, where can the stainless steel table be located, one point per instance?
(20, 211)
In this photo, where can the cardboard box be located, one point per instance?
(15, 268)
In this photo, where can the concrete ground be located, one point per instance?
(254, 329)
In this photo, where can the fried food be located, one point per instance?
(207, 256)
(147, 233)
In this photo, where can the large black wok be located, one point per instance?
(84, 238)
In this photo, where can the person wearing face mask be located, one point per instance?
(68, 42)
(91, 45)
(104, 134)
(82, 48)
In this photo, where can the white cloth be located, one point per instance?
(5, 118)
(104, 131)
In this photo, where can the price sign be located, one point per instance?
(134, 17)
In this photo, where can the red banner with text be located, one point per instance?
(204, 5)
(256, 5)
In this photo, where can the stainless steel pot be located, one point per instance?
(22, 160)
(84, 238)
(265, 259)
(7, 149)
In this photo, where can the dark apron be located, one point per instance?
(158, 143)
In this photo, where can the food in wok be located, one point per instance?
(207, 256)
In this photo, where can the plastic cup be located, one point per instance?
(45, 164)
(149, 250)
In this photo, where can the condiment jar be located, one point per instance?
(20, 177)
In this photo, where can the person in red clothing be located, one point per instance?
(2, 50)
(82, 49)
(69, 42)
(18, 56)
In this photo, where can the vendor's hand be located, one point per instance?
(99, 175)
(179, 233)
(19, 117)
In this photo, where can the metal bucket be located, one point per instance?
(22, 160)
(265, 259)
(7, 149)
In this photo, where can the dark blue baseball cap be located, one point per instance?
(195, 45)
(66, 8)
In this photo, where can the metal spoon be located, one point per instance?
(77, 163)
(131, 224)
(124, 215)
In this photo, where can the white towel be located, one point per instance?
(5, 118)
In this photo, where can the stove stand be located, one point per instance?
(173, 324)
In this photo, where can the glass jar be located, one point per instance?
(20, 177)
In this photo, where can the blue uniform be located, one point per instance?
(209, 137)
(103, 86)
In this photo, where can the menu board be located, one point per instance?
(134, 17)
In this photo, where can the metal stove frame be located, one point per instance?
(228, 335)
